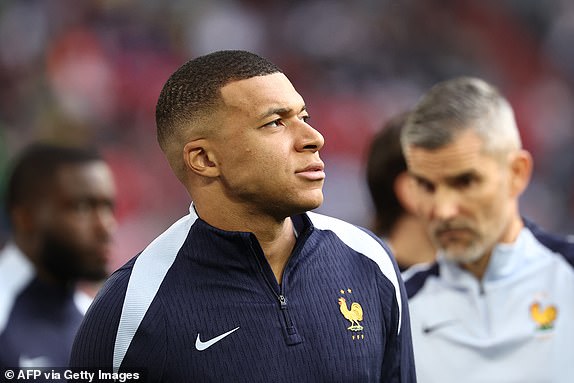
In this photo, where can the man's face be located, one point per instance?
(75, 222)
(465, 196)
(268, 155)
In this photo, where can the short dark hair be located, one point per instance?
(33, 170)
(194, 88)
(385, 161)
(459, 104)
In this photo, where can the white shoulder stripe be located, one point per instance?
(147, 275)
(363, 243)
(16, 272)
(82, 301)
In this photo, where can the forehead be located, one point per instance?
(257, 94)
(465, 153)
(87, 179)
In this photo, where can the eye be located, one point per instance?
(275, 123)
(305, 118)
(464, 181)
(424, 185)
(81, 206)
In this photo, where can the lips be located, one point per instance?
(315, 167)
(314, 171)
(454, 235)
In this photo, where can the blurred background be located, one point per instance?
(90, 72)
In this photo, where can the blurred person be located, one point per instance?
(249, 286)
(497, 304)
(60, 203)
(392, 193)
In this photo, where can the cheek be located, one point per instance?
(422, 203)
(74, 225)
(241, 155)
(268, 159)
(494, 206)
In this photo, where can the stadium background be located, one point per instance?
(90, 72)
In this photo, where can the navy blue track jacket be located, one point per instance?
(38, 320)
(202, 305)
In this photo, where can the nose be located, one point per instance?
(105, 221)
(444, 205)
(309, 138)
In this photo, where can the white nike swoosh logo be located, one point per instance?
(200, 346)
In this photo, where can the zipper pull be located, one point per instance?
(282, 302)
(292, 337)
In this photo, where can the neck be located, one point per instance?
(478, 268)
(410, 242)
(278, 247)
(275, 236)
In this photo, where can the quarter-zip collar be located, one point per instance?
(240, 252)
(506, 259)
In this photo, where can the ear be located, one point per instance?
(405, 191)
(520, 171)
(200, 159)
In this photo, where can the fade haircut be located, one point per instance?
(192, 93)
(459, 104)
(33, 171)
(385, 162)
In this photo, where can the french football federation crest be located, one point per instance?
(544, 318)
(354, 315)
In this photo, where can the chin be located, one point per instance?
(304, 207)
(314, 204)
(469, 255)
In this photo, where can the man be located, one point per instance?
(60, 205)
(249, 287)
(392, 193)
(497, 305)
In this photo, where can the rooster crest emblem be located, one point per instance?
(354, 315)
(543, 318)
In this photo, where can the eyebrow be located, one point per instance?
(449, 179)
(466, 173)
(279, 111)
(419, 178)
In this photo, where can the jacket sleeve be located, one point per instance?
(94, 343)
(406, 344)
(398, 362)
